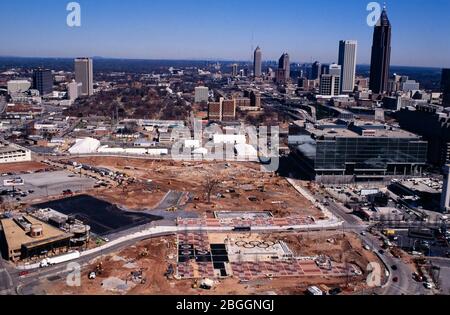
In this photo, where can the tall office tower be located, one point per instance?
(445, 201)
(316, 70)
(330, 85)
(84, 74)
(335, 69)
(325, 69)
(285, 64)
(257, 63)
(381, 55)
(43, 81)
(347, 60)
(445, 85)
(234, 70)
(201, 94)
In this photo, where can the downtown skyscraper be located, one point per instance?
(381, 55)
(84, 74)
(285, 64)
(316, 70)
(257, 62)
(445, 86)
(347, 61)
(43, 81)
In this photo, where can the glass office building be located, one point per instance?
(364, 151)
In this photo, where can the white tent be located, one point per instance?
(246, 150)
(85, 146)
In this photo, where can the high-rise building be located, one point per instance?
(201, 94)
(445, 201)
(330, 85)
(84, 74)
(325, 69)
(43, 81)
(381, 55)
(347, 60)
(285, 64)
(316, 70)
(335, 69)
(432, 123)
(74, 90)
(234, 70)
(445, 85)
(257, 63)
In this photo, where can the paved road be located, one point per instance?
(29, 283)
(6, 281)
(405, 285)
(444, 264)
(172, 199)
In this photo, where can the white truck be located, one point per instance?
(60, 259)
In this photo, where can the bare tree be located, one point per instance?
(210, 184)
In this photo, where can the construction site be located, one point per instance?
(219, 263)
(236, 229)
(235, 186)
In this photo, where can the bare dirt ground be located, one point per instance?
(340, 247)
(153, 257)
(22, 167)
(242, 186)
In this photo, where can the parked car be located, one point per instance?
(335, 291)
(428, 285)
(23, 273)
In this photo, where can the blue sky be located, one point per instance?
(223, 29)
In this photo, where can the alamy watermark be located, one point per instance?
(74, 17)
(243, 143)
(73, 278)
(374, 277)
(375, 13)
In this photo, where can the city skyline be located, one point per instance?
(111, 30)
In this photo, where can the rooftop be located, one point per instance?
(341, 129)
(16, 236)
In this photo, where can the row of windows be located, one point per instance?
(369, 153)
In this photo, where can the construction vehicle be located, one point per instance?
(99, 268)
(389, 233)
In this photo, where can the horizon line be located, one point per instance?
(201, 59)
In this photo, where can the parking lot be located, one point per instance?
(44, 184)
